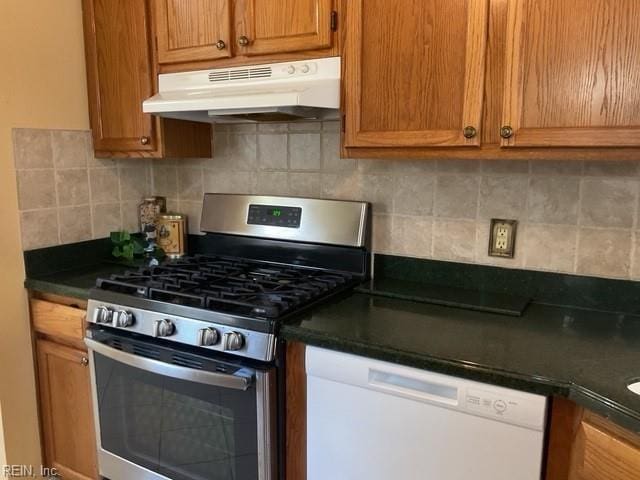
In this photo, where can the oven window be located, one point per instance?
(177, 428)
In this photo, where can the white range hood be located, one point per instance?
(303, 90)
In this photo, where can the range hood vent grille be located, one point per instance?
(240, 74)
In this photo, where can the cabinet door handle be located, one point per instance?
(469, 132)
(220, 45)
(84, 361)
(144, 140)
(506, 132)
(243, 41)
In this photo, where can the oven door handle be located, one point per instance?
(241, 380)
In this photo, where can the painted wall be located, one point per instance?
(42, 85)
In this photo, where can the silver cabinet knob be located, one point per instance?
(232, 341)
(122, 319)
(208, 337)
(243, 41)
(221, 45)
(104, 315)
(145, 140)
(84, 361)
(163, 328)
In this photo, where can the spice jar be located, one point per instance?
(172, 234)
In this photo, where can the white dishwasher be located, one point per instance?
(372, 420)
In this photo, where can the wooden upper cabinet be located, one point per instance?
(192, 30)
(66, 410)
(120, 74)
(282, 26)
(414, 73)
(572, 73)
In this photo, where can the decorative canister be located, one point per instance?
(172, 234)
(148, 211)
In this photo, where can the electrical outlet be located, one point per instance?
(502, 238)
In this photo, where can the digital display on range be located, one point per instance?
(274, 215)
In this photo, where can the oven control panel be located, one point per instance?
(274, 216)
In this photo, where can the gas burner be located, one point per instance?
(229, 285)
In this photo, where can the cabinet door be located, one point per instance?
(573, 71)
(191, 30)
(119, 74)
(414, 72)
(281, 26)
(66, 410)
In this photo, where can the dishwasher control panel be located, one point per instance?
(499, 405)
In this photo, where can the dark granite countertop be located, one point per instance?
(587, 356)
(584, 354)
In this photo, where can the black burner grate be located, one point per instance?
(229, 285)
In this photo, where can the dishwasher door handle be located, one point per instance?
(415, 388)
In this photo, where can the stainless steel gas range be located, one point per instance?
(183, 355)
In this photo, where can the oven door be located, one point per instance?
(163, 413)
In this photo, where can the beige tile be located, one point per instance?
(505, 166)
(635, 266)
(304, 184)
(553, 199)
(342, 186)
(550, 247)
(605, 253)
(190, 186)
(229, 182)
(556, 167)
(305, 126)
(39, 228)
(272, 127)
(482, 247)
(104, 184)
(331, 126)
(503, 196)
(304, 151)
(272, 152)
(458, 166)
(242, 127)
(612, 168)
(272, 183)
(457, 196)
(32, 148)
(377, 189)
(413, 195)
(381, 233)
(234, 152)
(130, 216)
(608, 202)
(106, 218)
(165, 181)
(75, 224)
(72, 186)
(397, 166)
(36, 189)
(331, 161)
(135, 183)
(411, 236)
(71, 148)
(94, 162)
(454, 240)
(193, 211)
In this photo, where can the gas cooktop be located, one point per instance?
(230, 285)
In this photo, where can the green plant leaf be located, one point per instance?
(120, 237)
(116, 252)
(138, 247)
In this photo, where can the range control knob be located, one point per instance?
(122, 319)
(208, 337)
(232, 341)
(104, 315)
(163, 328)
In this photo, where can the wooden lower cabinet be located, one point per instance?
(64, 386)
(585, 446)
(66, 410)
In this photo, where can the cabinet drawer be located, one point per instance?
(603, 455)
(58, 320)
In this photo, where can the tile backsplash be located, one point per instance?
(575, 216)
(66, 195)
